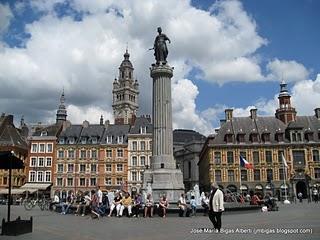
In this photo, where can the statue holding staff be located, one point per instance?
(160, 47)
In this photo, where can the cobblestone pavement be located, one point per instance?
(295, 221)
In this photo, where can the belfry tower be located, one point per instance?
(61, 115)
(286, 113)
(125, 93)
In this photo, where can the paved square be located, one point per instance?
(301, 221)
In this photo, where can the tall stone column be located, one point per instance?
(163, 178)
(162, 118)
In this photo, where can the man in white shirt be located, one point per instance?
(99, 194)
(56, 200)
(183, 205)
(216, 206)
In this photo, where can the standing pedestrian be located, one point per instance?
(99, 195)
(300, 196)
(216, 206)
(315, 195)
(193, 205)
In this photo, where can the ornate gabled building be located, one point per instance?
(42, 147)
(139, 151)
(13, 140)
(41, 158)
(262, 140)
(125, 93)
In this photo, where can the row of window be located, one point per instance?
(39, 176)
(15, 181)
(83, 182)
(82, 153)
(244, 175)
(93, 140)
(140, 145)
(40, 161)
(295, 136)
(70, 168)
(71, 153)
(135, 161)
(135, 176)
(298, 156)
(41, 147)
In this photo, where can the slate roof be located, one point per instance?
(10, 135)
(73, 131)
(141, 122)
(261, 125)
(51, 130)
(116, 131)
(95, 131)
(182, 136)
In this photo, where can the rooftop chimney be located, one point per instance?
(107, 123)
(317, 112)
(228, 113)
(101, 120)
(253, 113)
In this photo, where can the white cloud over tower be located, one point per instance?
(83, 56)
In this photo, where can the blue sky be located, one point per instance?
(292, 33)
(226, 54)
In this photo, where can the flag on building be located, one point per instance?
(245, 163)
(284, 160)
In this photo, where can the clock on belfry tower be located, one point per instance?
(125, 93)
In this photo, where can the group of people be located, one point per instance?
(123, 201)
(98, 203)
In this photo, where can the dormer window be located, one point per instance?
(143, 130)
(254, 137)
(44, 133)
(61, 140)
(109, 139)
(240, 137)
(266, 137)
(309, 135)
(229, 138)
(279, 137)
(83, 140)
(296, 136)
(71, 140)
(94, 140)
(120, 139)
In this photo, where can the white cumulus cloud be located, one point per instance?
(5, 17)
(185, 115)
(289, 71)
(83, 55)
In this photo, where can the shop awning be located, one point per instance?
(35, 186)
(17, 191)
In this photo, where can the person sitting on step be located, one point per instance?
(126, 203)
(148, 206)
(163, 205)
(116, 203)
